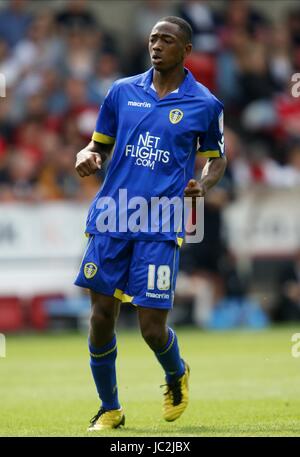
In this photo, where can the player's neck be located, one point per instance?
(165, 83)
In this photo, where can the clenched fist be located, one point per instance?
(87, 162)
(194, 189)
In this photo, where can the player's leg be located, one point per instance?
(103, 353)
(103, 347)
(104, 315)
(162, 340)
(152, 283)
(104, 272)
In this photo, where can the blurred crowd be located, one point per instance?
(59, 63)
(58, 66)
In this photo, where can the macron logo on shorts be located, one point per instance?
(161, 296)
(139, 104)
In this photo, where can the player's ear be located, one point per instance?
(188, 49)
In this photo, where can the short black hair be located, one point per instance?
(184, 26)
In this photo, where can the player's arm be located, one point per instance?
(211, 174)
(212, 147)
(90, 159)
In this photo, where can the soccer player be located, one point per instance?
(156, 122)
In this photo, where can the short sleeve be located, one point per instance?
(106, 124)
(211, 142)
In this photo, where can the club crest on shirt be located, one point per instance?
(90, 269)
(175, 115)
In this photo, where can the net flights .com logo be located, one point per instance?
(147, 152)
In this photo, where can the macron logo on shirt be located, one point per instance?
(139, 104)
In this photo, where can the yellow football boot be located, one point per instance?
(176, 396)
(107, 420)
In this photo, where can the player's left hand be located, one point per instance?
(194, 189)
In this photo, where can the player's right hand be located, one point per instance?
(87, 163)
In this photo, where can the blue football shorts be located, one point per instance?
(139, 272)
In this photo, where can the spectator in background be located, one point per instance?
(6, 124)
(242, 61)
(280, 56)
(242, 14)
(293, 25)
(58, 181)
(53, 91)
(14, 22)
(204, 22)
(287, 175)
(228, 66)
(80, 115)
(76, 15)
(41, 49)
(28, 139)
(8, 65)
(80, 53)
(238, 166)
(76, 93)
(255, 81)
(19, 178)
(107, 70)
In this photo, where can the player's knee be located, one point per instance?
(101, 320)
(154, 336)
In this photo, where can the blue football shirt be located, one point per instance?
(155, 144)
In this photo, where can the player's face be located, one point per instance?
(167, 46)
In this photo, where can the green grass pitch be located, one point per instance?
(243, 383)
